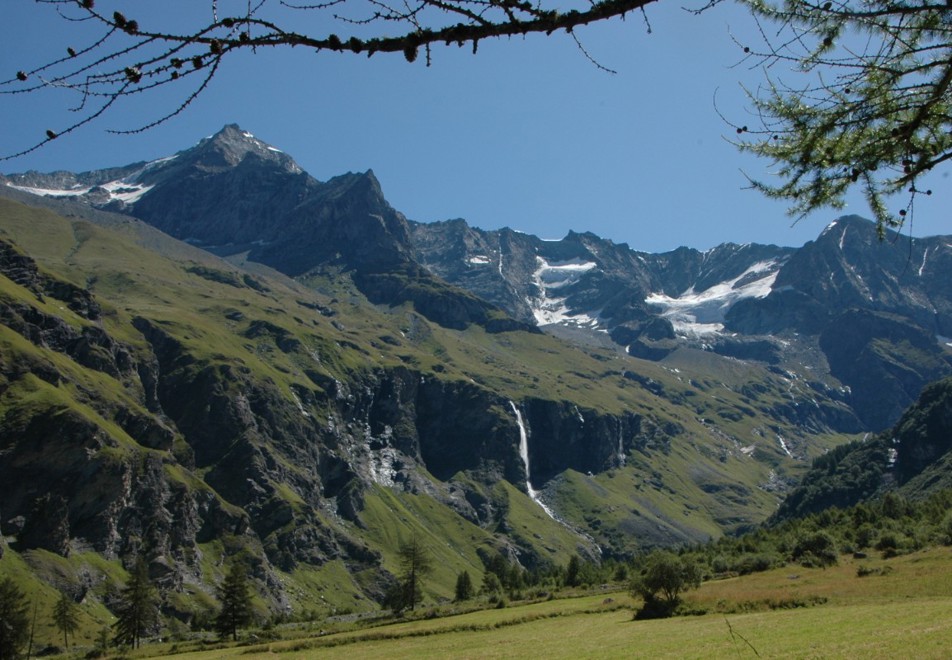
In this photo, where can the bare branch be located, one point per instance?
(132, 57)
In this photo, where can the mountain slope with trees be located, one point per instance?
(911, 460)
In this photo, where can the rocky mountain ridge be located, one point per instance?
(750, 302)
(234, 194)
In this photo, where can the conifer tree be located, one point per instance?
(235, 597)
(14, 620)
(66, 617)
(138, 610)
(415, 563)
(464, 587)
(572, 571)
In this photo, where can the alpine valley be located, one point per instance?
(215, 354)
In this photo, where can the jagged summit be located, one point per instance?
(232, 145)
(120, 188)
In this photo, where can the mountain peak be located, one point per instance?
(231, 145)
(848, 222)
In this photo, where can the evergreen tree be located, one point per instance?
(235, 597)
(572, 578)
(14, 620)
(491, 584)
(415, 564)
(464, 587)
(66, 617)
(138, 609)
(102, 640)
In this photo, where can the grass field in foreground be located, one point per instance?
(905, 611)
(918, 629)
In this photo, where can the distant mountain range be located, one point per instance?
(215, 352)
(824, 309)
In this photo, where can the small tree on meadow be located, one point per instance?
(66, 617)
(662, 580)
(573, 572)
(235, 596)
(491, 584)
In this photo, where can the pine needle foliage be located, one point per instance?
(865, 100)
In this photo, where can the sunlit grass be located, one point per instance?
(904, 612)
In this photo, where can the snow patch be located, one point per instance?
(127, 189)
(124, 192)
(922, 266)
(479, 260)
(561, 273)
(159, 161)
(550, 277)
(700, 314)
(51, 192)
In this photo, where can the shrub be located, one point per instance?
(756, 563)
(816, 549)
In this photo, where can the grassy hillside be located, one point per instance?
(219, 412)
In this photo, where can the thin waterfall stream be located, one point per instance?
(524, 453)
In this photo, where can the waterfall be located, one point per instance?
(524, 453)
(783, 445)
(621, 447)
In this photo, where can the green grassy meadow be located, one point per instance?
(866, 631)
(902, 608)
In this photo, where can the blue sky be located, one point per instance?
(527, 133)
